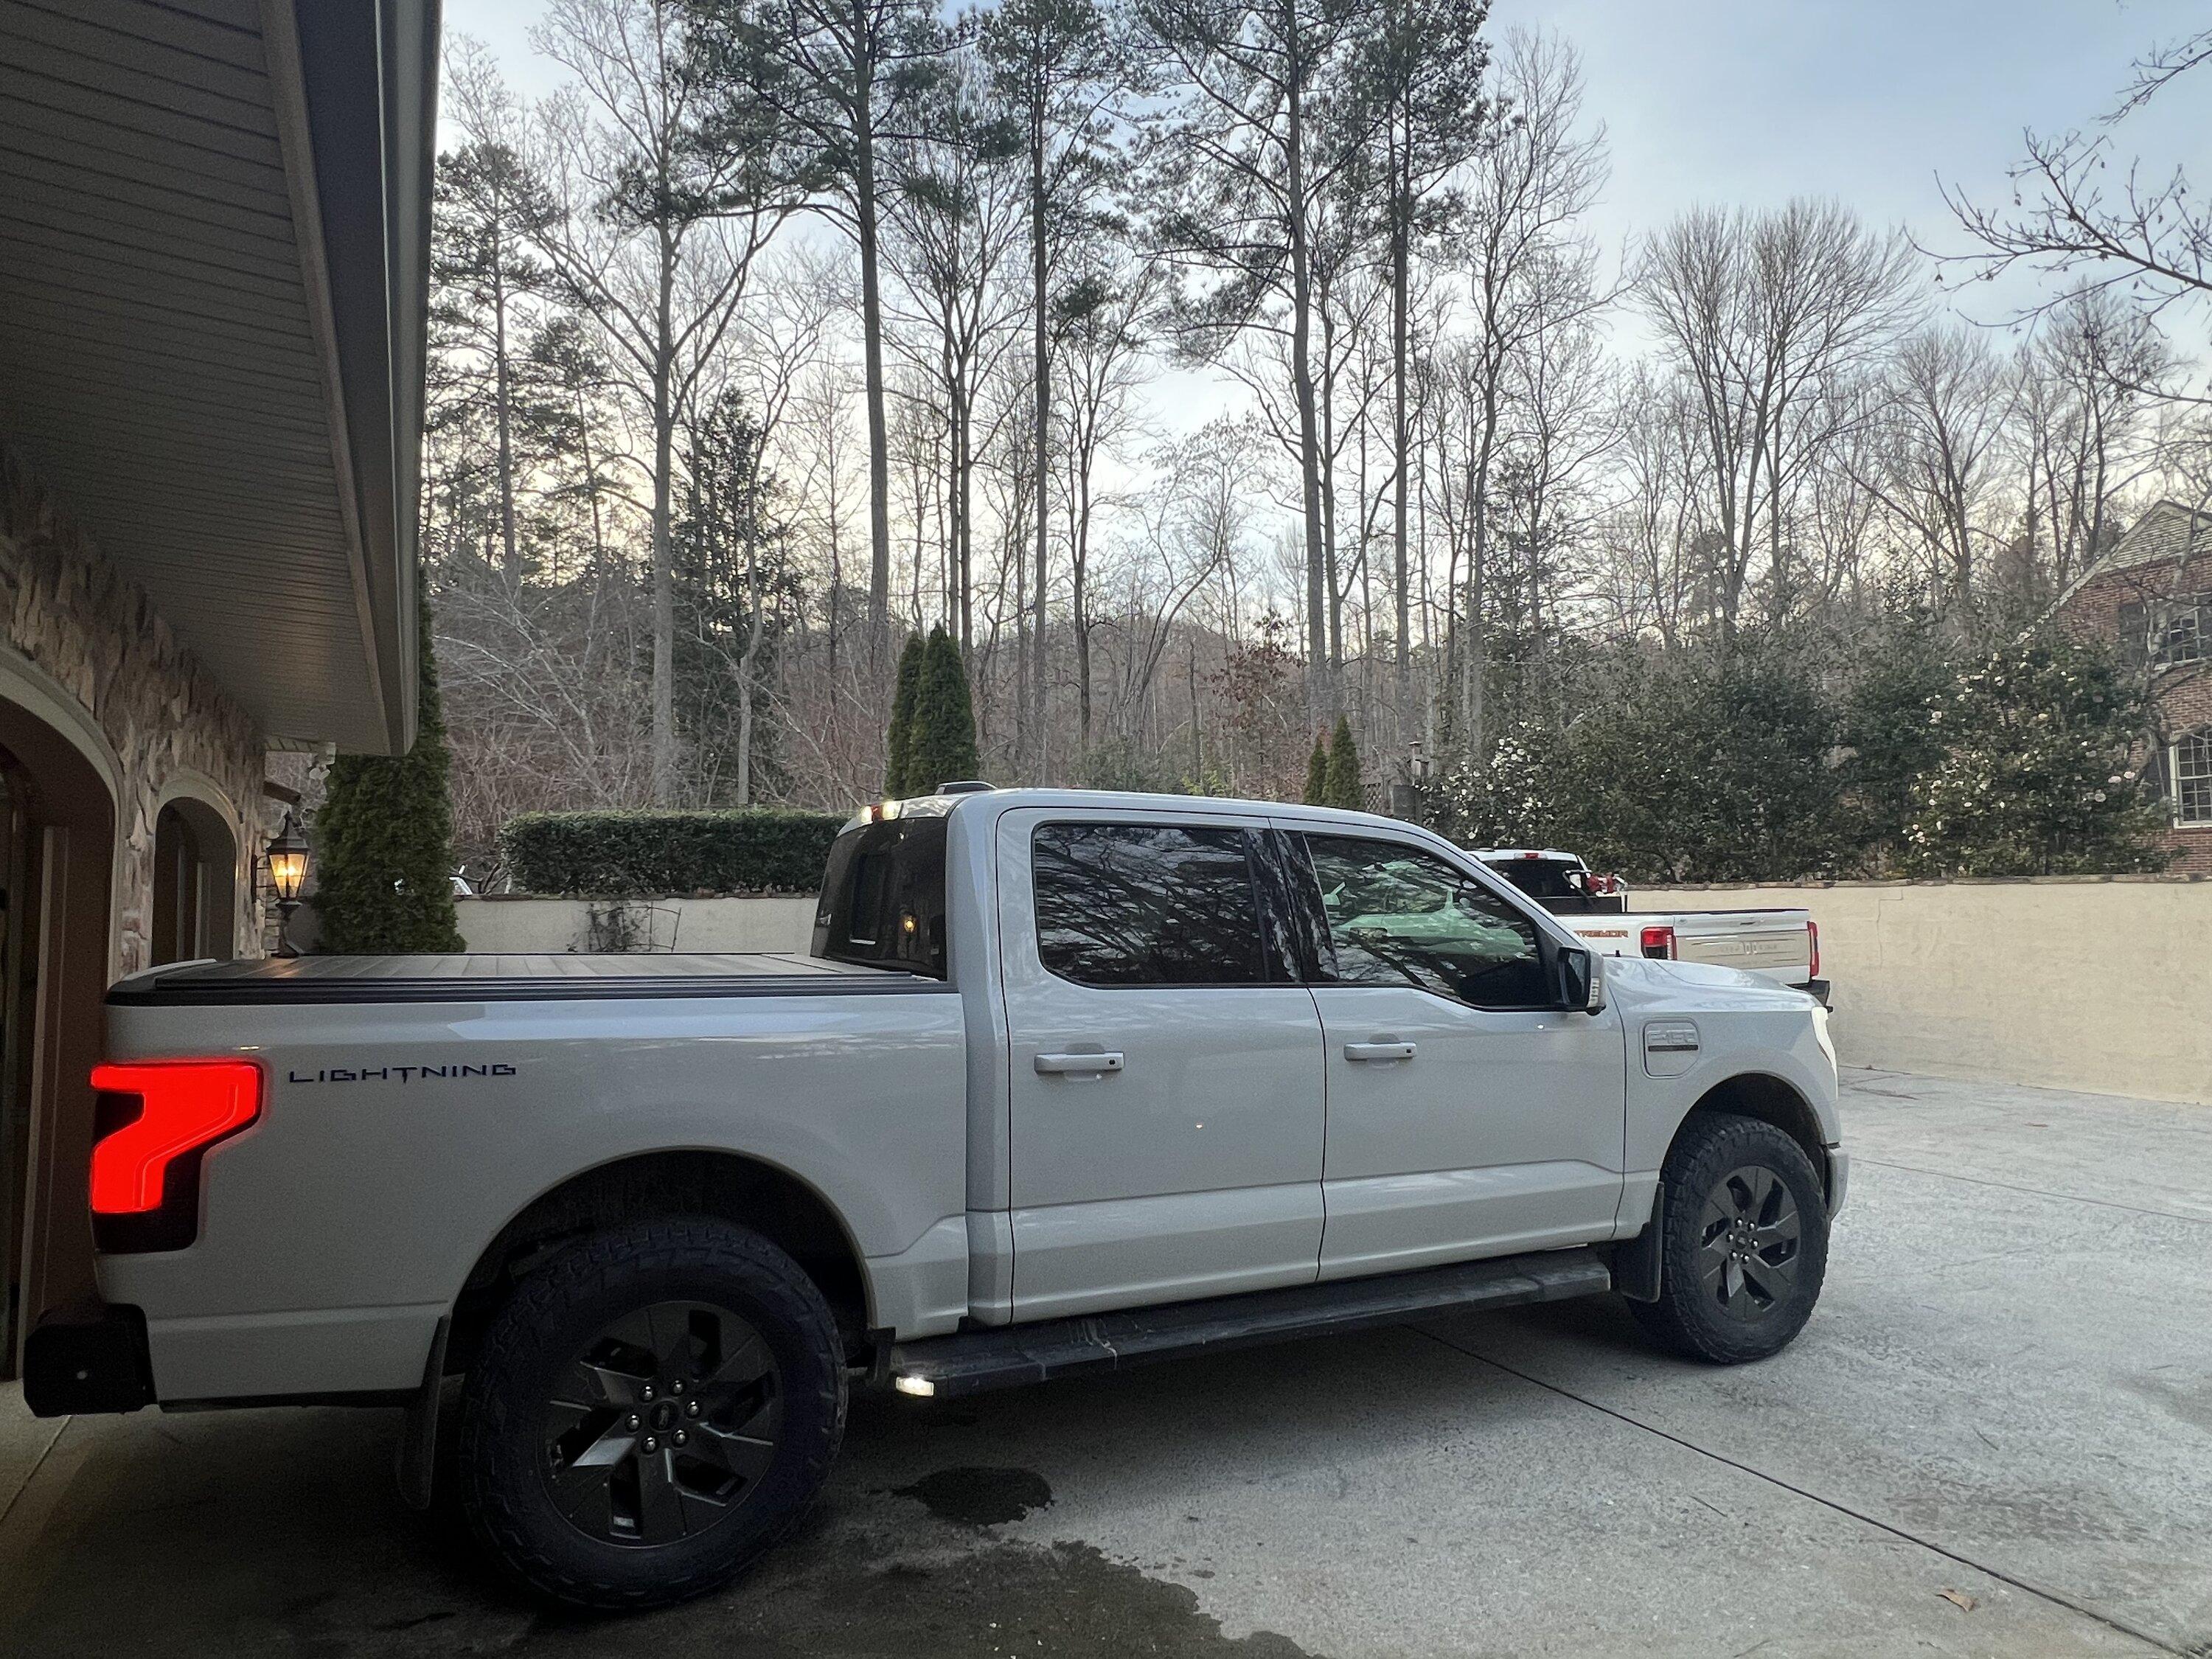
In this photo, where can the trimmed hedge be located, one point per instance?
(642, 854)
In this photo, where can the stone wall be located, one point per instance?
(91, 631)
(2100, 984)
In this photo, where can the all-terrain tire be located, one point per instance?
(1744, 1244)
(739, 1303)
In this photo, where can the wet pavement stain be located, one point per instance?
(980, 1497)
(320, 1562)
(851, 1589)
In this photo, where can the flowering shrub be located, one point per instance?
(1678, 770)
(2033, 776)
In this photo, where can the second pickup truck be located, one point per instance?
(1067, 1081)
(1781, 943)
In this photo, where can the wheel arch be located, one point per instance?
(733, 1187)
(1769, 1099)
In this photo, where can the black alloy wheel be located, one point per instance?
(663, 1425)
(1749, 1230)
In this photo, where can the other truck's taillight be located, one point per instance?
(153, 1122)
(1813, 933)
(1659, 942)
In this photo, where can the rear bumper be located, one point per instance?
(90, 1357)
(1818, 988)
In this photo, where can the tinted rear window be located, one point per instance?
(882, 900)
(1539, 879)
(1148, 904)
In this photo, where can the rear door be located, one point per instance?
(1166, 1063)
(1469, 1115)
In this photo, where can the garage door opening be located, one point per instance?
(57, 866)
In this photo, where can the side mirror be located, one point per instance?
(1581, 981)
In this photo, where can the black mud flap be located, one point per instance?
(1635, 1264)
(418, 1440)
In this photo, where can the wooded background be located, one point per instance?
(1211, 371)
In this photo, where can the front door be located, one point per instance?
(1469, 1115)
(1165, 1064)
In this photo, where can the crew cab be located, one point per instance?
(1068, 1081)
(1781, 943)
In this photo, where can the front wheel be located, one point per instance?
(1744, 1241)
(650, 1412)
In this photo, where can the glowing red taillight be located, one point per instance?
(183, 1107)
(1813, 930)
(1659, 942)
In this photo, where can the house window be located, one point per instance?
(2190, 766)
(2181, 631)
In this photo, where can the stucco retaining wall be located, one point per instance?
(520, 922)
(2104, 985)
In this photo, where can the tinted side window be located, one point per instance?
(1121, 905)
(1400, 916)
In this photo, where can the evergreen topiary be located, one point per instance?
(942, 747)
(384, 841)
(1340, 785)
(898, 746)
(1317, 792)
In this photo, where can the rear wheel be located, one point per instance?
(650, 1412)
(1744, 1244)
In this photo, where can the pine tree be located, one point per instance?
(383, 840)
(899, 742)
(1317, 792)
(942, 747)
(1340, 784)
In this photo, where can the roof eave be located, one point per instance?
(372, 141)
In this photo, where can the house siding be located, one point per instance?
(94, 634)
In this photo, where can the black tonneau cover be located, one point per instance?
(504, 978)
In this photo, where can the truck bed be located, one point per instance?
(504, 978)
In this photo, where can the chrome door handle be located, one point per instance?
(1384, 1051)
(1088, 1064)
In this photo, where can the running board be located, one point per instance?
(945, 1367)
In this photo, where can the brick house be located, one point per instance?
(214, 266)
(2151, 595)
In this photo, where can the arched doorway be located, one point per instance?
(56, 866)
(194, 884)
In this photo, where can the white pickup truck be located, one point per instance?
(1782, 943)
(1069, 1081)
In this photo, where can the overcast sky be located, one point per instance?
(1752, 101)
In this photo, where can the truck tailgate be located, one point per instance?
(1776, 944)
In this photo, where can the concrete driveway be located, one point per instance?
(1995, 1437)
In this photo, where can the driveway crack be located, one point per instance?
(32, 1473)
(2034, 1192)
(2054, 1598)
